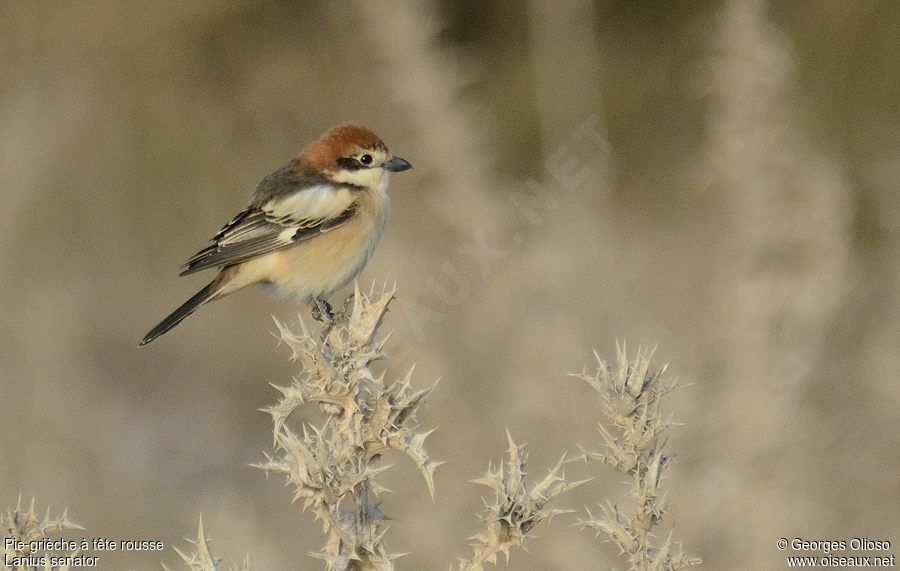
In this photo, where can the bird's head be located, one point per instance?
(352, 154)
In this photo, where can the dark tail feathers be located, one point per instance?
(179, 314)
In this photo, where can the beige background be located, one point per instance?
(717, 178)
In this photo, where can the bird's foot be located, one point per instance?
(322, 312)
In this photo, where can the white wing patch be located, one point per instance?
(287, 235)
(281, 222)
(312, 205)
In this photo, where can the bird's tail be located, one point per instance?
(206, 294)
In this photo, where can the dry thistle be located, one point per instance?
(515, 509)
(202, 559)
(332, 466)
(24, 527)
(634, 442)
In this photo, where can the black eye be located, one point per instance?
(365, 159)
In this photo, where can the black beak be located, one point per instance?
(396, 164)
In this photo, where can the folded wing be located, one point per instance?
(281, 222)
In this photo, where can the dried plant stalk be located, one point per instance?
(201, 557)
(783, 282)
(515, 509)
(332, 466)
(429, 86)
(634, 438)
(23, 526)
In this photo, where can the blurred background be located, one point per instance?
(715, 178)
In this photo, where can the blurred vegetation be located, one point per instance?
(715, 177)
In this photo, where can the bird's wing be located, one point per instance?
(279, 222)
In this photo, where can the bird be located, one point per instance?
(309, 229)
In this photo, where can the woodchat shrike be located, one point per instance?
(310, 228)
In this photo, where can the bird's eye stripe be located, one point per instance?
(349, 164)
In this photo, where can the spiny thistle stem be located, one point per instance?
(201, 557)
(24, 526)
(516, 508)
(333, 465)
(633, 440)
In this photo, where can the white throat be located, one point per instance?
(369, 178)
